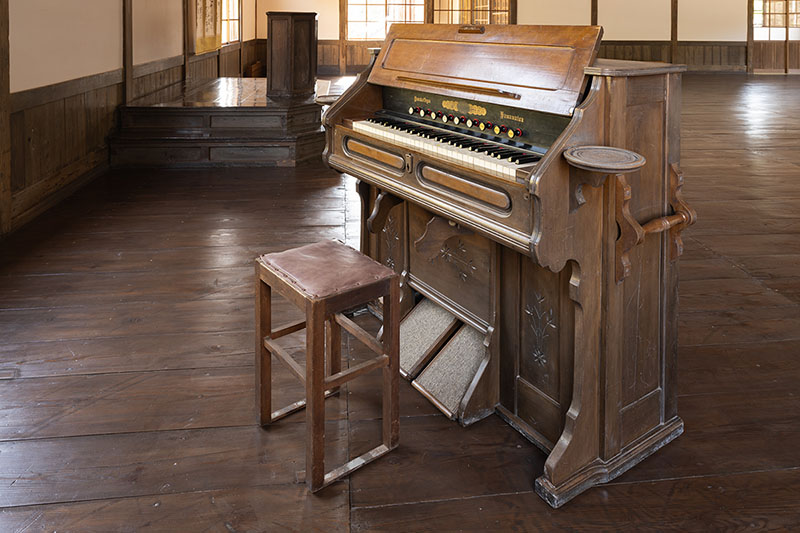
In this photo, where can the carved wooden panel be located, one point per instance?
(452, 260)
(546, 347)
(390, 240)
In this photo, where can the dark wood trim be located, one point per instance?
(680, 43)
(5, 123)
(750, 44)
(786, 50)
(187, 8)
(241, 37)
(673, 50)
(158, 65)
(512, 11)
(342, 37)
(638, 43)
(49, 93)
(127, 48)
(203, 57)
(712, 43)
(230, 47)
(594, 12)
(190, 29)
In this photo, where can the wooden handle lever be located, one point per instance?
(657, 225)
(632, 234)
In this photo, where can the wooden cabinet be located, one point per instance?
(291, 54)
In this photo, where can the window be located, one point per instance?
(369, 20)
(230, 21)
(472, 11)
(771, 20)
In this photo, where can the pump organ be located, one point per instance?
(502, 173)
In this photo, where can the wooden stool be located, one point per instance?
(325, 279)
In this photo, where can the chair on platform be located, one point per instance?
(325, 279)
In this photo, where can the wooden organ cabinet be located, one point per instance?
(529, 196)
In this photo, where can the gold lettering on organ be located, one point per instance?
(450, 105)
(477, 110)
(421, 99)
(515, 118)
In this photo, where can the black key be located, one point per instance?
(525, 159)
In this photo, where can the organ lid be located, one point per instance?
(531, 67)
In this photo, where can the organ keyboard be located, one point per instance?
(468, 151)
(529, 196)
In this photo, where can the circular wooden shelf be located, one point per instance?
(606, 159)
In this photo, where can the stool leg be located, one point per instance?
(391, 346)
(263, 356)
(315, 396)
(334, 349)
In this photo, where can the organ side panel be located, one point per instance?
(636, 314)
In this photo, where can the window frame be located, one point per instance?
(226, 21)
(429, 18)
(407, 4)
(790, 19)
(474, 9)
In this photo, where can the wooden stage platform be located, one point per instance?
(224, 122)
(126, 361)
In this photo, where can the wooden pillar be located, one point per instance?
(594, 12)
(127, 47)
(673, 49)
(786, 43)
(241, 39)
(343, 37)
(188, 17)
(750, 40)
(5, 123)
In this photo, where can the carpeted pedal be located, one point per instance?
(446, 379)
(422, 333)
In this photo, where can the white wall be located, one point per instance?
(157, 30)
(729, 20)
(635, 20)
(51, 41)
(568, 12)
(327, 10)
(248, 20)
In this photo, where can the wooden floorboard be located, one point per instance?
(126, 361)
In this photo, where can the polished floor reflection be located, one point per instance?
(126, 366)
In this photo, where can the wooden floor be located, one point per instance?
(126, 366)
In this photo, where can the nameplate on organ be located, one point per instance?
(527, 193)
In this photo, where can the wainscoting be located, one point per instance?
(58, 140)
(59, 133)
(151, 77)
(202, 68)
(700, 56)
(770, 56)
(252, 51)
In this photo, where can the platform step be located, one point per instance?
(423, 332)
(202, 153)
(216, 135)
(447, 378)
